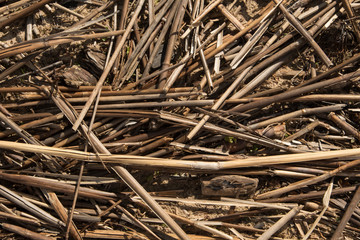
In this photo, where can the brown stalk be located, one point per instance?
(18, 65)
(230, 40)
(24, 232)
(124, 130)
(151, 146)
(159, 41)
(129, 215)
(344, 125)
(231, 18)
(207, 9)
(32, 208)
(51, 163)
(297, 25)
(61, 211)
(351, 16)
(179, 164)
(34, 45)
(91, 15)
(311, 195)
(188, 103)
(141, 47)
(134, 59)
(56, 186)
(227, 132)
(303, 131)
(20, 219)
(120, 171)
(61, 88)
(121, 26)
(14, 5)
(185, 221)
(74, 13)
(298, 113)
(347, 215)
(24, 12)
(108, 67)
(5, 111)
(228, 73)
(172, 39)
(296, 92)
(309, 181)
(33, 124)
(279, 224)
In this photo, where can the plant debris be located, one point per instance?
(189, 119)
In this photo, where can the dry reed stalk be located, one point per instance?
(111, 234)
(179, 15)
(61, 211)
(74, 13)
(24, 232)
(233, 38)
(347, 215)
(245, 50)
(51, 163)
(192, 223)
(308, 181)
(326, 13)
(180, 164)
(227, 132)
(231, 17)
(90, 15)
(129, 67)
(158, 44)
(120, 171)
(296, 92)
(14, 5)
(279, 224)
(34, 45)
(188, 103)
(25, 204)
(344, 125)
(24, 12)
(351, 15)
(298, 113)
(129, 215)
(22, 220)
(108, 67)
(296, 24)
(56, 186)
(33, 124)
(18, 65)
(307, 196)
(124, 130)
(151, 146)
(61, 88)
